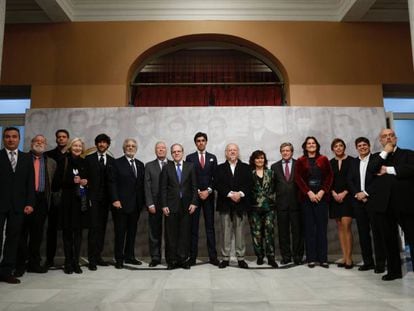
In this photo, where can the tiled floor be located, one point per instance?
(207, 288)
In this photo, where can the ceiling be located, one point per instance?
(41, 11)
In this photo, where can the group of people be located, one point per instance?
(73, 192)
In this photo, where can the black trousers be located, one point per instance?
(316, 226)
(388, 235)
(51, 233)
(72, 240)
(125, 227)
(98, 214)
(32, 234)
(207, 206)
(290, 222)
(178, 236)
(11, 242)
(155, 234)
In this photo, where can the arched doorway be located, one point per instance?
(207, 70)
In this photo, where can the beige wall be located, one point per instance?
(90, 64)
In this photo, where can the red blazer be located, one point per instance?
(302, 175)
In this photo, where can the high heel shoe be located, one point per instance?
(350, 266)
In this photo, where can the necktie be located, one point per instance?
(102, 160)
(133, 167)
(163, 163)
(36, 164)
(179, 172)
(287, 172)
(202, 160)
(13, 160)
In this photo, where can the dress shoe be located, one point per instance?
(260, 261)
(154, 263)
(68, 269)
(119, 265)
(365, 267)
(223, 264)
(298, 262)
(77, 269)
(391, 276)
(242, 264)
(311, 264)
(350, 266)
(36, 269)
(49, 263)
(9, 279)
(92, 267)
(19, 272)
(192, 261)
(214, 261)
(102, 263)
(324, 265)
(379, 269)
(186, 265)
(285, 261)
(133, 261)
(273, 263)
(172, 266)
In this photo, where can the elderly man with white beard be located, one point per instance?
(28, 256)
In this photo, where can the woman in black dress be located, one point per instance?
(340, 205)
(71, 178)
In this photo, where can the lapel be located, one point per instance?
(5, 158)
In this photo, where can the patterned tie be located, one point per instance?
(133, 167)
(179, 172)
(36, 164)
(13, 160)
(287, 172)
(202, 160)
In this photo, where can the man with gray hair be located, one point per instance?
(127, 193)
(233, 182)
(289, 216)
(152, 201)
(28, 254)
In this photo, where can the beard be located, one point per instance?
(38, 149)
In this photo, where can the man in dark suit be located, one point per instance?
(62, 140)
(205, 164)
(289, 216)
(178, 188)
(233, 181)
(152, 201)
(391, 197)
(98, 187)
(359, 181)
(127, 195)
(17, 195)
(28, 254)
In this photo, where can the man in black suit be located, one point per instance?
(178, 188)
(127, 195)
(359, 182)
(205, 164)
(289, 216)
(62, 140)
(98, 187)
(17, 193)
(233, 181)
(392, 197)
(152, 201)
(28, 254)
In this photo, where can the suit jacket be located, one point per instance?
(98, 183)
(170, 187)
(393, 191)
(204, 175)
(225, 181)
(50, 169)
(152, 183)
(286, 191)
(17, 188)
(125, 187)
(354, 181)
(302, 174)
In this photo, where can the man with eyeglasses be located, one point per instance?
(392, 197)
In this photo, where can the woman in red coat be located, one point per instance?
(313, 175)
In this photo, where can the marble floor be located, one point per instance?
(207, 288)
